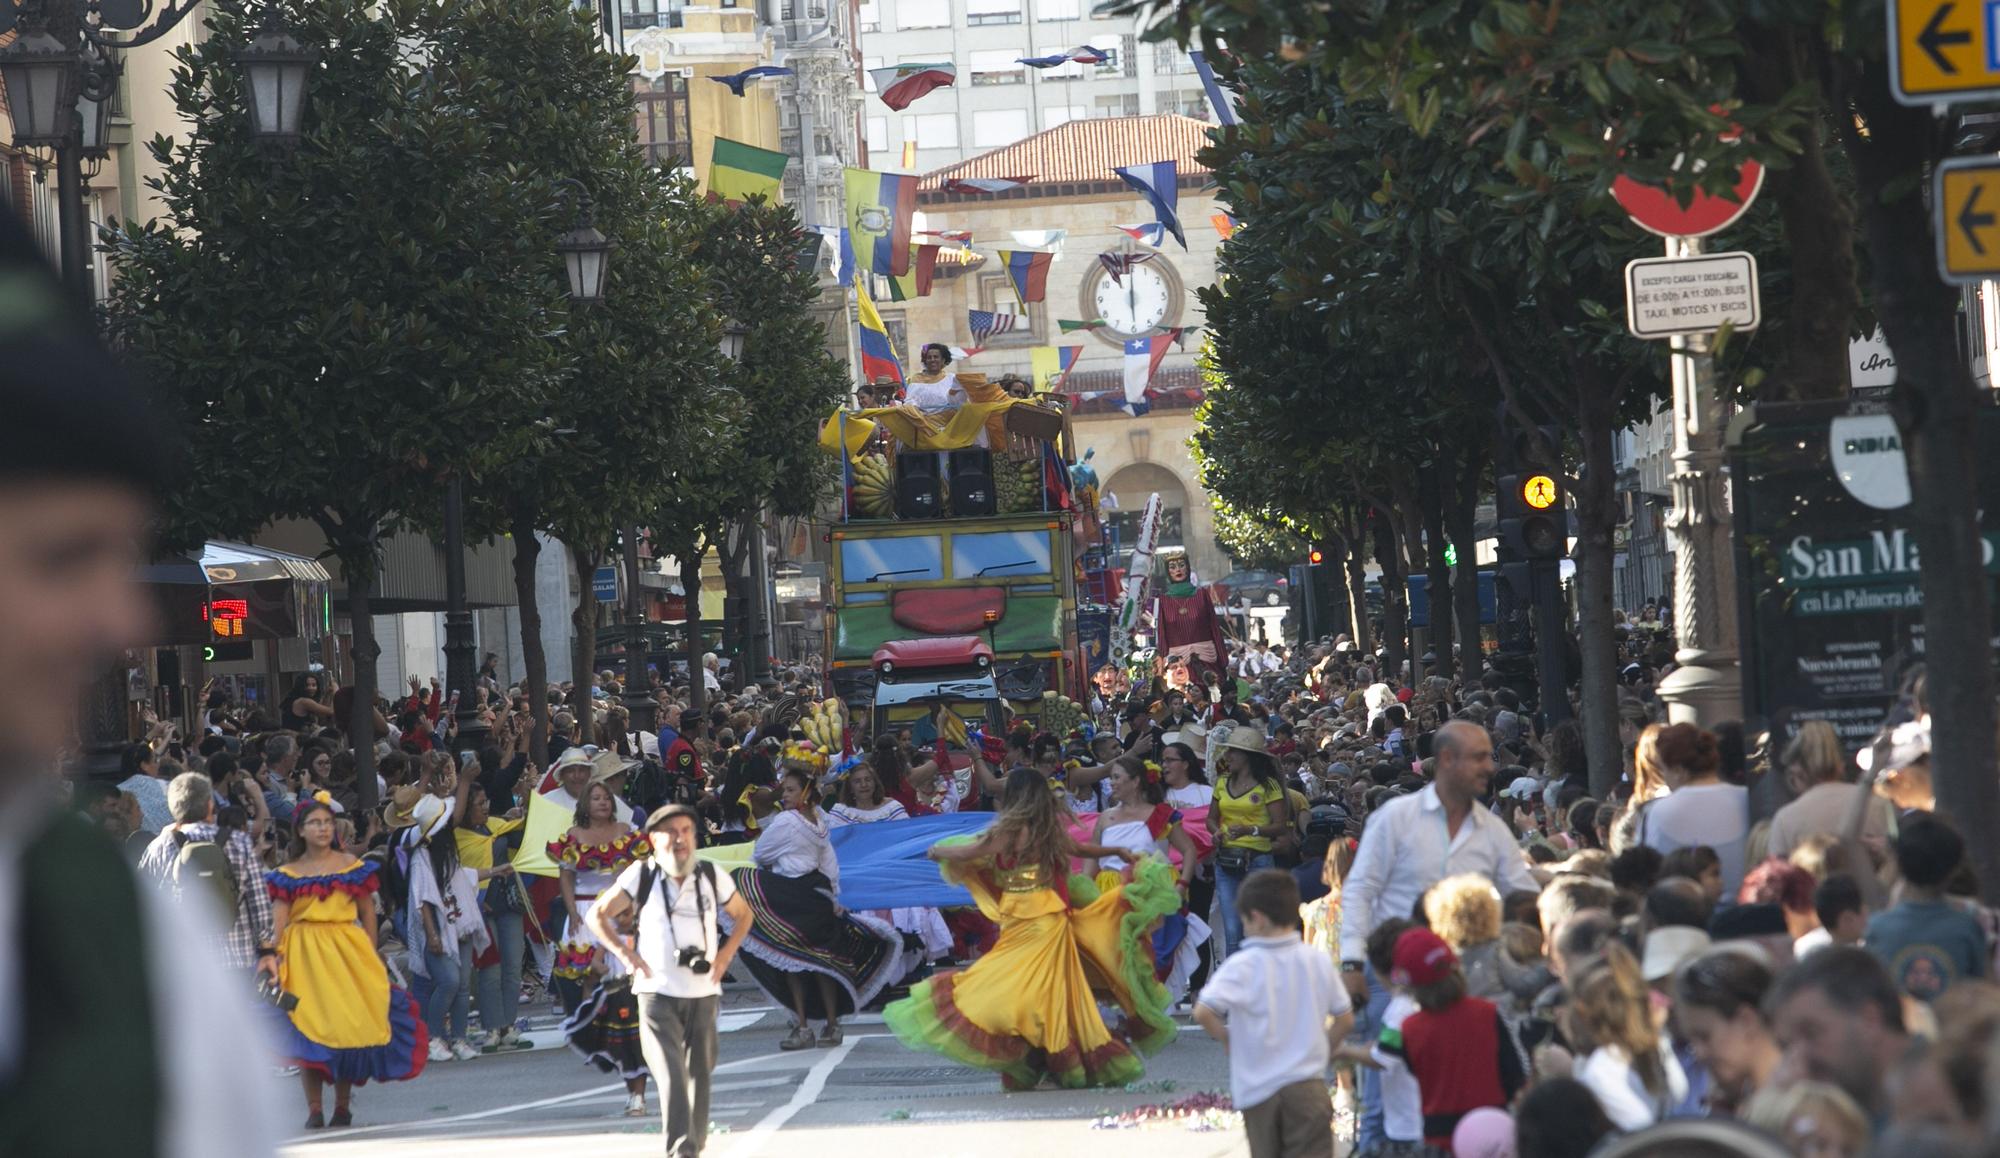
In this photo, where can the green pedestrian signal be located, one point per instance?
(1450, 555)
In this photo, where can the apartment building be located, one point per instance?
(997, 100)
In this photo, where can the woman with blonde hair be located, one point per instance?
(1026, 1009)
(1816, 770)
(1628, 1064)
(1811, 1118)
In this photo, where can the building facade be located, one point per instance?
(997, 100)
(1077, 194)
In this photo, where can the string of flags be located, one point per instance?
(880, 210)
(878, 354)
(899, 84)
(986, 323)
(1028, 271)
(736, 81)
(1120, 264)
(737, 172)
(977, 185)
(1150, 232)
(1159, 184)
(1051, 365)
(1083, 54)
(1219, 99)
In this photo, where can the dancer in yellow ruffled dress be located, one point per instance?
(1026, 1009)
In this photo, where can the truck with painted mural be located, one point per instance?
(953, 576)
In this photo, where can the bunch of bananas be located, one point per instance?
(874, 487)
(1017, 485)
(1060, 714)
(825, 724)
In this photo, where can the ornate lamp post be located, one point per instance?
(60, 73)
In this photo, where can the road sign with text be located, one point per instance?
(1669, 296)
(1965, 204)
(1942, 51)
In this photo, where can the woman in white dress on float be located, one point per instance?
(1141, 818)
(862, 802)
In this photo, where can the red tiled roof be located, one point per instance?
(1082, 153)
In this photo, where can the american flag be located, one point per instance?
(1120, 264)
(985, 323)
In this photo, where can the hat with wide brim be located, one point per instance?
(608, 764)
(402, 804)
(1242, 737)
(1670, 947)
(573, 758)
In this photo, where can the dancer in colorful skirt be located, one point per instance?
(1141, 818)
(802, 933)
(604, 1027)
(1026, 1009)
(349, 1025)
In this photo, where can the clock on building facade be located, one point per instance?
(1143, 301)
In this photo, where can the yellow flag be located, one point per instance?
(1045, 365)
(547, 821)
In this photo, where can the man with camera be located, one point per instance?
(659, 919)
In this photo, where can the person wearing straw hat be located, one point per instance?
(1248, 817)
(445, 927)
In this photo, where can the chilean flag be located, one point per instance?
(1142, 360)
(1028, 271)
(899, 84)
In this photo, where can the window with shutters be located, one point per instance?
(923, 13)
(998, 66)
(664, 129)
(979, 12)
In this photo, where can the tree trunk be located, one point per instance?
(535, 682)
(731, 553)
(1596, 517)
(583, 649)
(358, 569)
(1357, 589)
(1461, 514)
(1430, 495)
(1936, 408)
(1818, 221)
(1333, 572)
(690, 559)
(1395, 600)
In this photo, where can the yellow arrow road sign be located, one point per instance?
(1944, 50)
(1966, 219)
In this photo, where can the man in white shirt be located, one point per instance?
(1285, 1011)
(677, 962)
(1415, 841)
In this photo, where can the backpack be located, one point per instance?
(203, 865)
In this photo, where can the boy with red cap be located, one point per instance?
(1459, 1047)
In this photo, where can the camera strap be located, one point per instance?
(703, 870)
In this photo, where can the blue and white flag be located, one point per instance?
(1159, 184)
(1219, 99)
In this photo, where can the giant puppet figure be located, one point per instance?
(1186, 624)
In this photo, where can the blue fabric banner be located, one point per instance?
(882, 865)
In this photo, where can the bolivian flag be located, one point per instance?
(736, 171)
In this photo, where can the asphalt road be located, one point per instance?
(867, 1096)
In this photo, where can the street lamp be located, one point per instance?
(586, 253)
(756, 657)
(59, 90)
(42, 75)
(274, 66)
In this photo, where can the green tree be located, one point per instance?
(640, 388)
(783, 386)
(339, 324)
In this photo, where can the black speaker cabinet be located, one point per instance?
(917, 494)
(971, 473)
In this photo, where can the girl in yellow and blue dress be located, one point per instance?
(349, 1026)
(1026, 1009)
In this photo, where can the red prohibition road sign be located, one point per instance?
(1655, 210)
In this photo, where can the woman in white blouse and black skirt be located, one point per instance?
(805, 950)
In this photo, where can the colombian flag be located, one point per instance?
(878, 357)
(1029, 272)
(737, 170)
(880, 207)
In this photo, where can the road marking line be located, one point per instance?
(808, 1092)
(480, 1115)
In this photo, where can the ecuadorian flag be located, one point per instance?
(737, 170)
(880, 207)
(878, 357)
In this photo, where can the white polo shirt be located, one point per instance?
(693, 908)
(1276, 993)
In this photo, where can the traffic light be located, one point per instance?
(1316, 556)
(1528, 495)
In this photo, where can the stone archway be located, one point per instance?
(1129, 488)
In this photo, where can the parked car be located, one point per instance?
(1266, 587)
